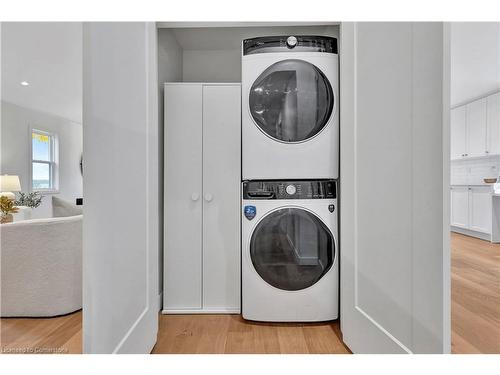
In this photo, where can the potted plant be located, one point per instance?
(7, 208)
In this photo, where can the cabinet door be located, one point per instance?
(493, 121)
(480, 209)
(182, 200)
(221, 190)
(460, 206)
(457, 133)
(476, 128)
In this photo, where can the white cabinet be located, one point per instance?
(493, 121)
(182, 199)
(221, 198)
(458, 133)
(460, 206)
(476, 128)
(202, 197)
(471, 208)
(480, 209)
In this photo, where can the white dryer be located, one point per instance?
(290, 121)
(290, 269)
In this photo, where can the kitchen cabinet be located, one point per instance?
(202, 197)
(476, 128)
(480, 209)
(460, 207)
(471, 210)
(458, 132)
(493, 121)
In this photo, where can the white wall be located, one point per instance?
(475, 60)
(169, 57)
(213, 54)
(212, 66)
(169, 70)
(16, 146)
(49, 56)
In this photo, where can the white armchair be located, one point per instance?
(41, 267)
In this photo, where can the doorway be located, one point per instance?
(474, 171)
(42, 169)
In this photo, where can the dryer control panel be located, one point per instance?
(290, 43)
(290, 189)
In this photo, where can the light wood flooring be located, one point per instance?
(475, 320)
(475, 295)
(231, 334)
(58, 335)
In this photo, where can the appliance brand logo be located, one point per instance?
(250, 212)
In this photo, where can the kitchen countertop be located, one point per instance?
(483, 184)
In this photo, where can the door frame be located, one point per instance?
(446, 188)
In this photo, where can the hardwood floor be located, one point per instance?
(475, 279)
(475, 295)
(212, 334)
(60, 335)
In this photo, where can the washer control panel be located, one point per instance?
(292, 189)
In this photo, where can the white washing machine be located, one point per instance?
(290, 121)
(290, 256)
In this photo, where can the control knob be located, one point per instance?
(291, 41)
(291, 189)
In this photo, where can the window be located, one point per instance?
(43, 161)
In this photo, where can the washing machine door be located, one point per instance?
(292, 249)
(291, 101)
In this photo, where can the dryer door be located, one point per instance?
(291, 101)
(292, 249)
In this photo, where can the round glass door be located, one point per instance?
(292, 249)
(291, 101)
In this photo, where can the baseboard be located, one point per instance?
(471, 233)
(201, 311)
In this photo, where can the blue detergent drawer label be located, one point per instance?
(250, 212)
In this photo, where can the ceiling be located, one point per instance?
(475, 60)
(47, 55)
(229, 38)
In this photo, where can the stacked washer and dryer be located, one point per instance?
(290, 167)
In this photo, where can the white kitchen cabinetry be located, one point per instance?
(460, 206)
(202, 198)
(458, 132)
(480, 209)
(476, 129)
(472, 210)
(493, 121)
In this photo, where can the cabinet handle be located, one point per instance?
(195, 197)
(208, 197)
(486, 152)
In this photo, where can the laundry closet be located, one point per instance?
(394, 258)
(199, 78)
